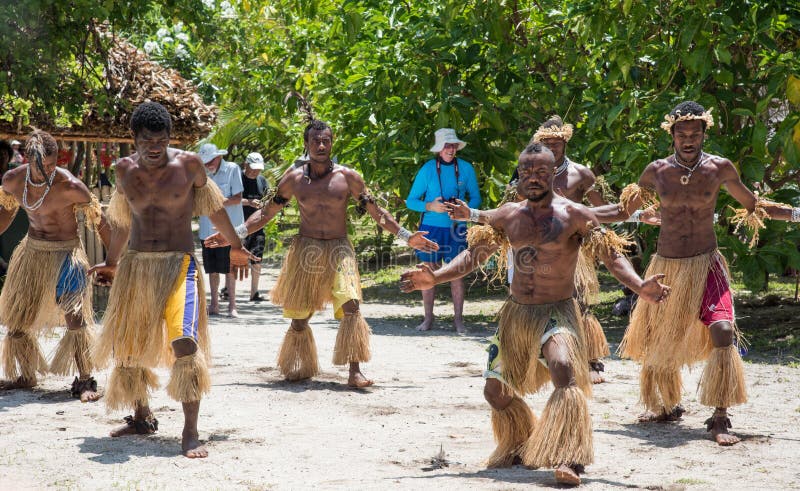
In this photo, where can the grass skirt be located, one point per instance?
(596, 342)
(660, 388)
(520, 330)
(189, 379)
(512, 427)
(352, 340)
(22, 356)
(670, 335)
(297, 359)
(208, 199)
(134, 331)
(76, 343)
(587, 287)
(563, 434)
(309, 270)
(129, 387)
(28, 300)
(722, 383)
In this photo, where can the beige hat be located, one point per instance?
(444, 136)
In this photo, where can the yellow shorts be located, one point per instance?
(182, 314)
(345, 288)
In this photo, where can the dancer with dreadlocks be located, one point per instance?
(320, 267)
(156, 312)
(46, 284)
(698, 323)
(540, 334)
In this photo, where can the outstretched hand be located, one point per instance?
(240, 262)
(420, 243)
(216, 240)
(103, 274)
(654, 291)
(651, 216)
(458, 210)
(417, 279)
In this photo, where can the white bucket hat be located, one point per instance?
(255, 161)
(209, 151)
(446, 135)
(15, 142)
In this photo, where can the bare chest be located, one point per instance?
(678, 188)
(331, 192)
(570, 185)
(543, 232)
(171, 189)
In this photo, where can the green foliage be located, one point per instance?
(53, 58)
(387, 73)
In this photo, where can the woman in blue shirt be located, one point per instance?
(443, 179)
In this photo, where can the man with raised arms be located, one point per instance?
(698, 323)
(320, 267)
(540, 334)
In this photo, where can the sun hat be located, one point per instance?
(255, 161)
(209, 151)
(444, 136)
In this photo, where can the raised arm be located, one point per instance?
(271, 205)
(366, 203)
(462, 211)
(734, 185)
(631, 199)
(607, 246)
(424, 277)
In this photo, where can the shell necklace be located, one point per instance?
(677, 163)
(49, 182)
(563, 167)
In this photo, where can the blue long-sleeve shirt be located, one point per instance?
(426, 189)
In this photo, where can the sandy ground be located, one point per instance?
(264, 433)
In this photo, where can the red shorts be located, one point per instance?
(717, 300)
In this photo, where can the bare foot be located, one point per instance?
(663, 416)
(358, 380)
(85, 390)
(90, 396)
(192, 447)
(426, 325)
(718, 425)
(19, 383)
(565, 474)
(460, 328)
(213, 309)
(146, 426)
(596, 369)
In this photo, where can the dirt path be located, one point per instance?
(264, 433)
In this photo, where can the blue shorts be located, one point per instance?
(452, 240)
(71, 278)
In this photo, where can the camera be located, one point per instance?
(451, 200)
